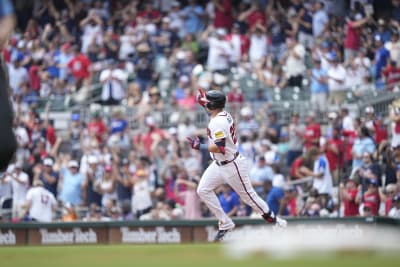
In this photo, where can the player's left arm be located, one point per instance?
(219, 137)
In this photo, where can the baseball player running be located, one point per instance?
(228, 166)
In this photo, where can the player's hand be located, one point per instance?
(201, 97)
(194, 142)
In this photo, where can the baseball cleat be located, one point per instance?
(271, 218)
(221, 234)
(281, 222)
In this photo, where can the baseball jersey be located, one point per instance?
(42, 203)
(220, 127)
(323, 184)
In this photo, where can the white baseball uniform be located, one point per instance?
(229, 168)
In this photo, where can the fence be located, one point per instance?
(151, 232)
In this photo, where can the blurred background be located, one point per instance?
(104, 95)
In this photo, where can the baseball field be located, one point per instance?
(204, 255)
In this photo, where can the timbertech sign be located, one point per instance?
(74, 236)
(158, 235)
(146, 233)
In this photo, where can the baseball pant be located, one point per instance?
(235, 174)
(8, 142)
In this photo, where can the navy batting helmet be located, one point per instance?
(216, 99)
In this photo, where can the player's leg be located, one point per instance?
(239, 180)
(211, 179)
(8, 142)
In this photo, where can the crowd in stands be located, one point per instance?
(150, 55)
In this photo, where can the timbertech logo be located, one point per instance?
(158, 235)
(8, 238)
(76, 236)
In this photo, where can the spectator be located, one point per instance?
(393, 46)
(19, 75)
(319, 87)
(334, 149)
(322, 181)
(47, 175)
(295, 146)
(391, 75)
(93, 175)
(387, 196)
(253, 16)
(248, 125)
(40, 203)
(124, 186)
(394, 116)
(165, 38)
(229, 200)
(294, 63)
(144, 66)
(395, 210)
(79, 67)
(149, 141)
(320, 20)
(19, 184)
(92, 30)
(370, 198)
(107, 186)
(353, 35)
(141, 200)
(277, 29)
(302, 167)
(273, 131)
(75, 134)
(275, 193)
(127, 214)
(362, 144)
(97, 128)
(258, 44)
(219, 50)
(71, 184)
(189, 196)
(69, 214)
(312, 132)
(240, 44)
(113, 80)
(336, 81)
(383, 31)
(356, 77)
(305, 27)
(153, 15)
(349, 193)
(177, 22)
(259, 174)
(369, 170)
(382, 57)
(223, 14)
(193, 15)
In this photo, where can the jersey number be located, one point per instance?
(233, 133)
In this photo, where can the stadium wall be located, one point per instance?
(152, 232)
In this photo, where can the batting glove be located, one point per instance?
(194, 142)
(201, 97)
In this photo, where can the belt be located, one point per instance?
(222, 163)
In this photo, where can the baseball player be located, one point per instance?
(228, 166)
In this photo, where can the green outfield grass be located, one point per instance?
(204, 255)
